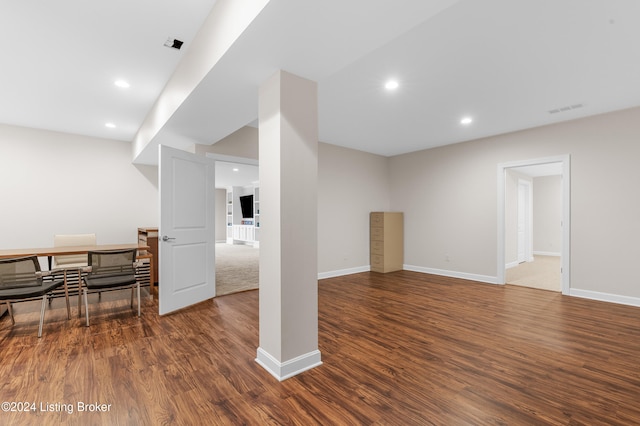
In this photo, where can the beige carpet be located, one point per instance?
(543, 273)
(236, 268)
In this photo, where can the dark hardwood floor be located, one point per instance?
(398, 349)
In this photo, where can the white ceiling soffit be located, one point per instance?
(227, 20)
(508, 65)
(313, 39)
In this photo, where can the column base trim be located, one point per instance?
(284, 370)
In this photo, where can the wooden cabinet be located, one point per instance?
(149, 237)
(386, 241)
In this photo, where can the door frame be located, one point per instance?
(566, 215)
(233, 159)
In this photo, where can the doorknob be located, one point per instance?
(165, 238)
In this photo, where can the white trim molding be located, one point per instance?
(232, 159)
(574, 292)
(284, 370)
(453, 274)
(341, 272)
(511, 265)
(605, 297)
(547, 253)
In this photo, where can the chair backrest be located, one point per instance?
(70, 240)
(112, 262)
(19, 272)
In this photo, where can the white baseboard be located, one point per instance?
(341, 272)
(290, 368)
(452, 274)
(511, 264)
(585, 294)
(547, 253)
(605, 297)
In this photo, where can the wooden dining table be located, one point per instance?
(49, 252)
(59, 251)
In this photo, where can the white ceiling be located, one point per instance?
(234, 174)
(60, 59)
(505, 63)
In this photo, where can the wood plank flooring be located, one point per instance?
(397, 349)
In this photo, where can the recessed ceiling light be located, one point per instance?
(466, 121)
(110, 125)
(122, 84)
(235, 170)
(391, 85)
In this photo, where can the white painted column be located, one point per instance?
(288, 150)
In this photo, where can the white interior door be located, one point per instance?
(187, 229)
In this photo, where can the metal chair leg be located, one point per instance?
(79, 293)
(138, 299)
(10, 309)
(44, 305)
(66, 296)
(86, 306)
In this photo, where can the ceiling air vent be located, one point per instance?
(173, 43)
(566, 108)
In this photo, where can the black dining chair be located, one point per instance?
(22, 280)
(110, 270)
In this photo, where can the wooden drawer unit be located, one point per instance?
(149, 237)
(377, 247)
(386, 246)
(377, 233)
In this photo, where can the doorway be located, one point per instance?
(237, 224)
(516, 225)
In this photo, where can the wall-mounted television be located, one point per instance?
(246, 205)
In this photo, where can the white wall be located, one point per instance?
(351, 184)
(449, 196)
(221, 215)
(449, 199)
(241, 143)
(56, 183)
(547, 215)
